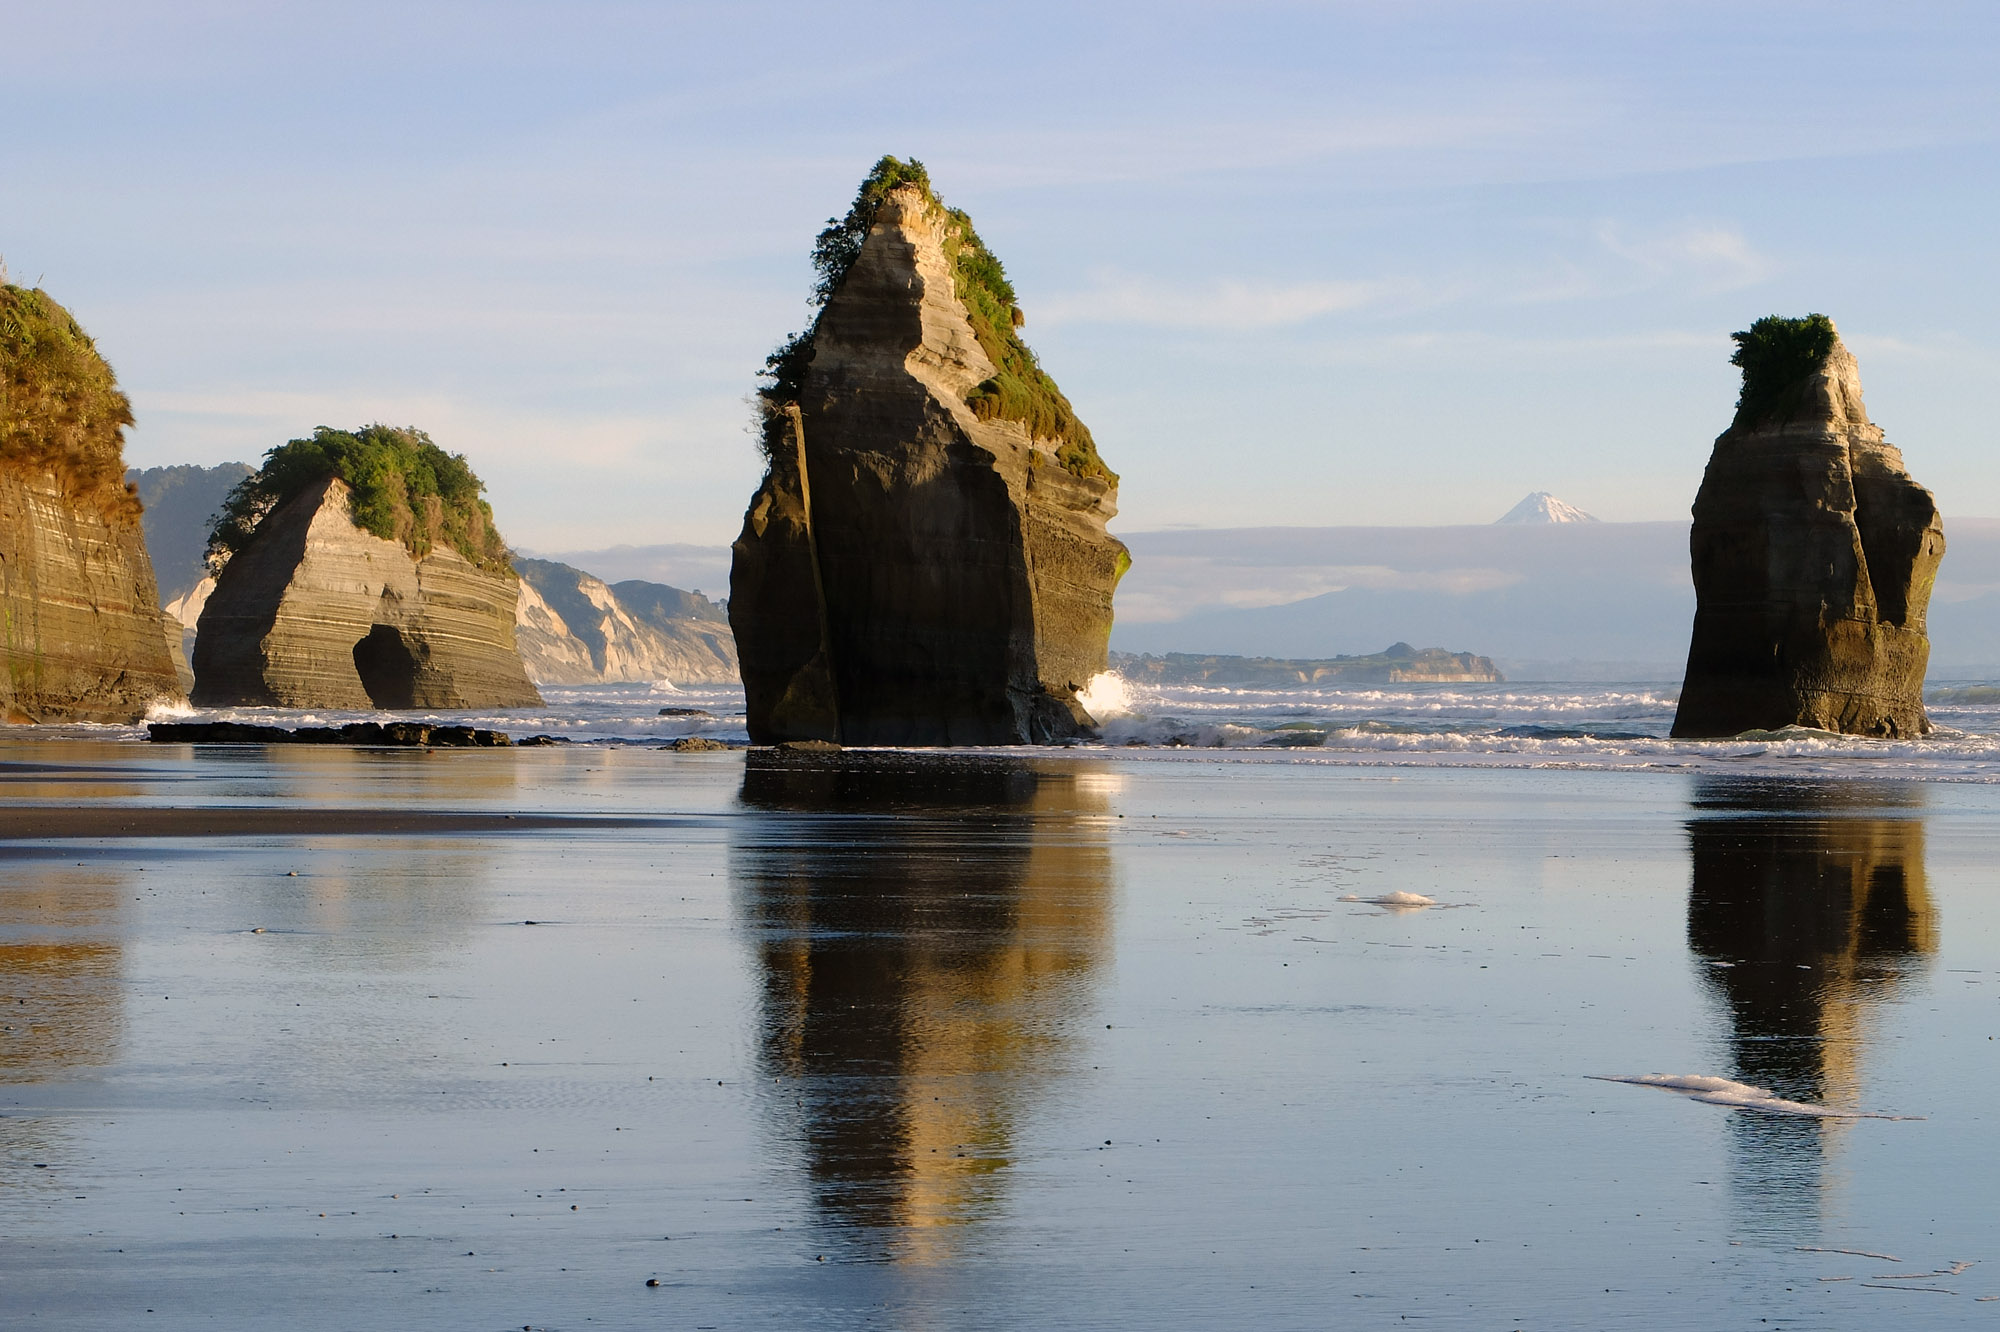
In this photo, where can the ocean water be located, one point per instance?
(1505, 725)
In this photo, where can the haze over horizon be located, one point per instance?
(1302, 265)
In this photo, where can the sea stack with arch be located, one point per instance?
(1814, 554)
(926, 560)
(360, 570)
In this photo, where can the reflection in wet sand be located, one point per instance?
(1807, 907)
(62, 1002)
(929, 932)
(61, 948)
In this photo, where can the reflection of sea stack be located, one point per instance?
(1814, 554)
(1807, 907)
(1811, 919)
(917, 1005)
(391, 592)
(926, 560)
(81, 633)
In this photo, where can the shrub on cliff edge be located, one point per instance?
(406, 489)
(1019, 390)
(60, 405)
(1777, 356)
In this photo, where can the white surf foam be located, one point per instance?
(1106, 696)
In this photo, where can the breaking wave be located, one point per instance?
(1460, 725)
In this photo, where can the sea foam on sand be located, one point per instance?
(1740, 1096)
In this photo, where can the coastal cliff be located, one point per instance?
(926, 561)
(575, 629)
(313, 610)
(1398, 663)
(1814, 553)
(81, 629)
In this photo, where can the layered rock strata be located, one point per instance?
(909, 573)
(80, 622)
(1814, 553)
(81, 634)
(317, 613)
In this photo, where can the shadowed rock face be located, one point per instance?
(81, 631)
(317, 613)
(967, 575)
(1814, 555)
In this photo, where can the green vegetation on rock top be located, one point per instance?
(406, 489)
(1777, 356)
(60, 405)
(1019, 390)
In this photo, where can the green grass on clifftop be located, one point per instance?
(1019, 390)
(406, 489)
(60, 406)
(1777, 356)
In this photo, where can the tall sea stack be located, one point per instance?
(1814, 554)
(926, 561)
(362, 570)
(81, 631)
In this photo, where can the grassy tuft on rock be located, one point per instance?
(406, 489)
(1777, 356)
(1019, 390)
(60, 406)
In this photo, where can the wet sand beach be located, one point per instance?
(336, 1038)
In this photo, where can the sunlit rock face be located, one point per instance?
(81, 633)
(967, 574)
(576, 629)
(81, 629)
(317, 613)
(1814, 555)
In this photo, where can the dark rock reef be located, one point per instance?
(383, 735)
(81, 632)
(1814, 554)
(334, 596)
(926, 561)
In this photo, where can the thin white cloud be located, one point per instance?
(1695, 259)
(1118, 298)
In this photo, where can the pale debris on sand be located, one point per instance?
(1409, 901)
(1741, 1096)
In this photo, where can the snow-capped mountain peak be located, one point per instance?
(1542, 507)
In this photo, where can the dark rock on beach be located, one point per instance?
(1814, 554)
(926, 561)
(399, 735)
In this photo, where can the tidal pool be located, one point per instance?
(899, 1040)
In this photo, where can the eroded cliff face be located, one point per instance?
(81, 635)
(967, 576)
(317, 613)
(80, 625)
(1814, 555)
(576, 629)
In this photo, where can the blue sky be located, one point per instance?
(1294, 263)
